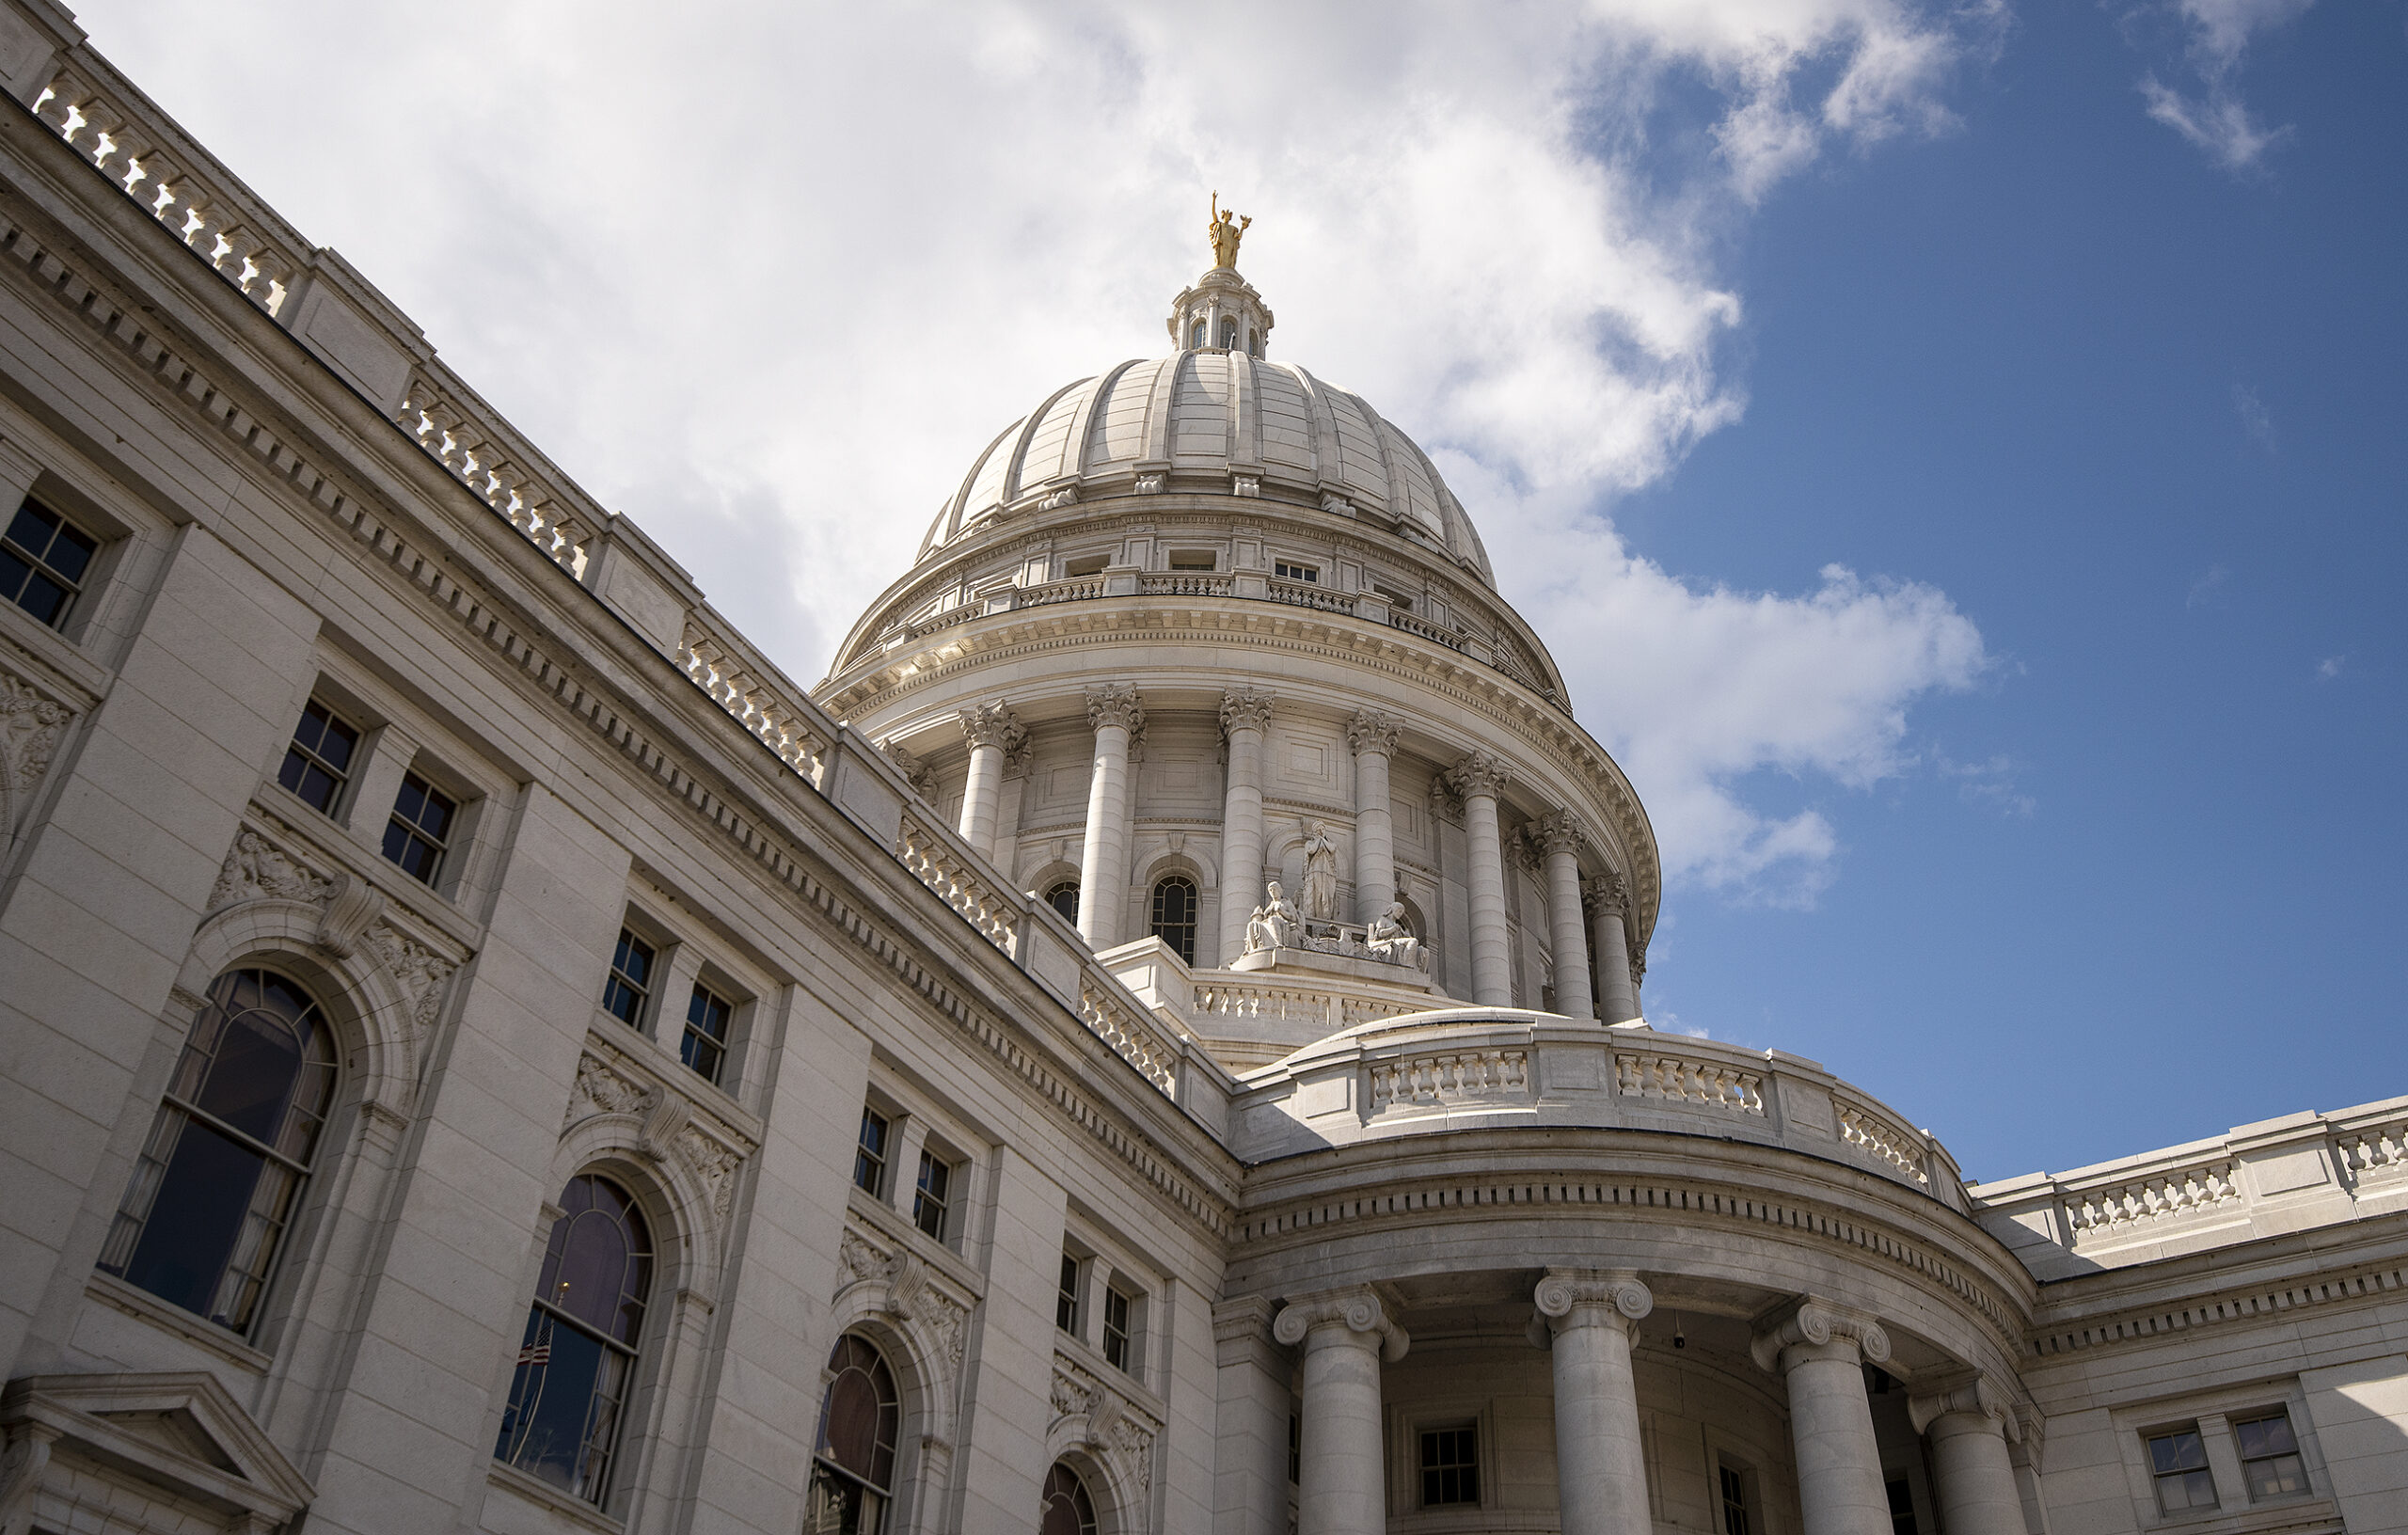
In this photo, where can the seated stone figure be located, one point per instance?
(1388, 939)
(1274, 924)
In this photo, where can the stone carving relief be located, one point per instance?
(670, 1132)
(908, 1294)
(31, 725)
(1115, 1429)
(256, 868)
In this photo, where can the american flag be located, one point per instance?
(535, 1353)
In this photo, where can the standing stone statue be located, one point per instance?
(1321, 874)
(1226, 231)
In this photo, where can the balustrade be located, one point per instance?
(1444, 1075)
(1135, 1039)
(1870, 1132)
(1689, 1080)
(928, 852)
(2164, 1193)
(790, 729)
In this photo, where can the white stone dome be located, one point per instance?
(1208, 420)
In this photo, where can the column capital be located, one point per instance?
(1116, 704)
(1569, 1298)
(1372, 731)
(1815, 1323)
(1478, 773)
(1245, 709)
(1359, 1311)
(992, 723)
(1975, 1406)
(1561, 832)
(1607, 893)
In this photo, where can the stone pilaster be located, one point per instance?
(1600, 1460)
(1116, 713)
(1373, 738)
(1480, 779)
(1558, 839)
(1245, 717)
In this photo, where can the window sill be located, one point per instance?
(544, 1495)
(142, 1306)
(2284, 1514)
(62, 654)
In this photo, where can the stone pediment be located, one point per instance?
(181, 1433)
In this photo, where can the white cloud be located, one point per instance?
(2207, 587)
(768, 278)
(2216, 120)
(2256, 419)
(2330, 667)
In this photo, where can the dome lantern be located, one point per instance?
(1222, 312)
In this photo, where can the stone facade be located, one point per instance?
(485, 1050)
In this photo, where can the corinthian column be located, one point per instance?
(1558, 838)
(1480, 779)
(1116, 713)
(994, 733)
(1968, 1428)
(1600, 1463)
(1246, 716)
(1608, 908)
(1821, 1353)
(1346, 1333)
(1374, 741)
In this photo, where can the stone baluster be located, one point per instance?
(1373, 738)
(1820, 1351)
(1591, 1320)
(1558, 838)
(994, 733)
(1118, 714)
(1346, 1334)
(1609, 897)
(1246, 717)
(1480, 779)
(1968, 1428)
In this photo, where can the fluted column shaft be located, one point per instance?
(1480, 779)
(1600, 1459)
(1346, 1334)
(992, 732)
(1821, 1354)
(1103, 863)
(1559, 837)
(1374, 742)
(1976, 1480)
(1245, 715)
(1609, 944)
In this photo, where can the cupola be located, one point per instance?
(1222, 312)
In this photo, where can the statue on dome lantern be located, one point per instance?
(1226, 231)
(1321, 874)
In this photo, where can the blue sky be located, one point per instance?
(1955, 450)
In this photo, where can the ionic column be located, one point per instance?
(1558, 837)
(1968, 1428)
(1821, 1353)
(1608, 907)
(1244, 717)
(1480, 779)
(994, 733)
(1373, 740)
(1116, 713)
(1600, 1463)
(1346, 1333)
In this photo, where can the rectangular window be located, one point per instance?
(2270, 1462)
(1902, 1508)
(1193, 560)
(706, 1043)
(421, 822)
(43, 558)
(1086, 564)
(1449, 1466)
(1066, 1298)
(2177, 1461)
(1735, 1502)
(870, 1154)
(630, 983)
(1288, 572)
(318, 763)
(930, 1201)
(1120, 1316)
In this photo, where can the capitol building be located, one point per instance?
(1152, 1043)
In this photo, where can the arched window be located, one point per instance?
(1175, 914)
(1229, 335)
(221, 1174)
(852, 1469)
(578, 1356)
(1195, 334)
(1067, 1509)
(1062, 896)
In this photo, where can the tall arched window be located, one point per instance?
(578, 1356)
(1062, 896)
(1195, 334)
(852, 1469)
(1175, 914)
(1229, 335)
(1066, 1510)
(221, 1174)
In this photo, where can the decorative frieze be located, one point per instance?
(256, 869)
(902, 1286)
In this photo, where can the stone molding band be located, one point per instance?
(1359, 1310)
(1815, 1323)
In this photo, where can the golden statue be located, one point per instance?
(1226, 231)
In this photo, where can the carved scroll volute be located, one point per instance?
(1815, 1323)
(1569, 1298)
(1360, 1312)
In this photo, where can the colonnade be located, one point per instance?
(1589, 1320)
(1586, 919)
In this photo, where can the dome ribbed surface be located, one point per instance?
(1218, 414)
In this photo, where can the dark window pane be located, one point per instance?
(257, 1061)
(29, 530)
(598, 1264)
(13, 570)
(44, 597)
(1065, 1509)
(2177, 1451)
(563, 1384)
(70, 553)
(1064, 897)
(2265, 1436)
(195, 1218)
